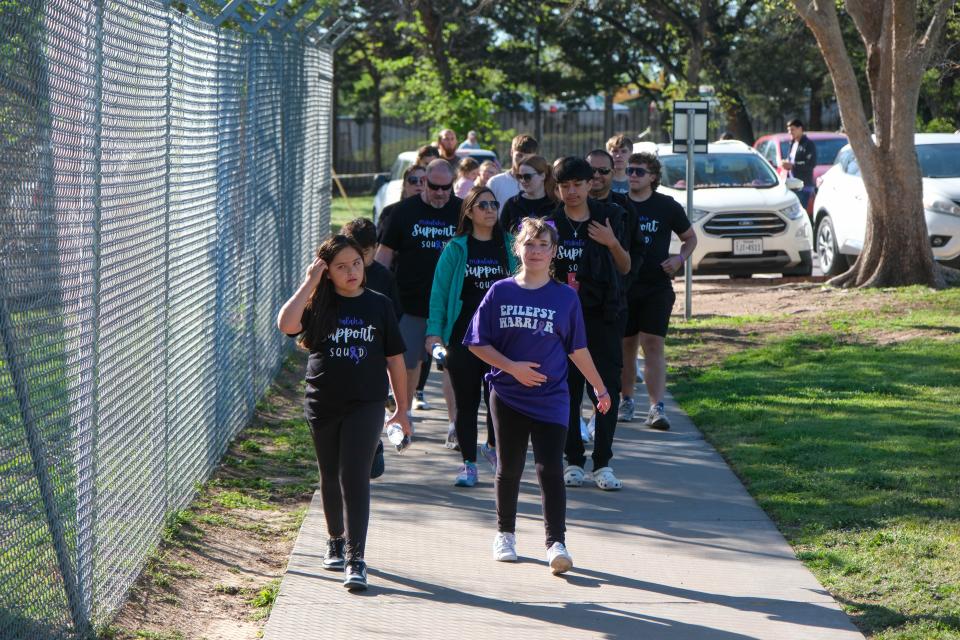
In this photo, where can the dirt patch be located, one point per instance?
(218, 569)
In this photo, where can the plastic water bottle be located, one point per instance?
(439, 354)
(397, 437)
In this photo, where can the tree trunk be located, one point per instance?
(537, 84)
(896, 248)
(816, 105)
(377, 131)
(608, 114)
(737, 119)
(433, 25)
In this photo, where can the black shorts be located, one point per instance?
(650, 311)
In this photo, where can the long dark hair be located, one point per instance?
(465, 225)
(323, 305)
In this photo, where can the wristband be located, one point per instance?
(681, 258)
(605, 393)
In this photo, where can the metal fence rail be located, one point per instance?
(162, 185)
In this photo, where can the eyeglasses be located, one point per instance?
(602, 171)
(637, 171)
(488, 204)
(439, 187)
(527, 177)
(415, 181)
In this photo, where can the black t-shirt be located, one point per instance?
(384, 218)
(657, 217)
(417, 232)
(635, 243)
(486, 264)
(381, 280)
(350, 366)
(517, 208)
(573, 239)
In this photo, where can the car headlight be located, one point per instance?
(697, 214)
(793, 212)
(940, 205)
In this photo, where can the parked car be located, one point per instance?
(388, 187)
(776, 147)
(841, 208)
(747, 220)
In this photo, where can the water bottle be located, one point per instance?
(397, 437)
(439, 354)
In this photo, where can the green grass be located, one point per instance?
(343, 210)
(853, 448)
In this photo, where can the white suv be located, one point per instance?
(840, 212)
(746, 220)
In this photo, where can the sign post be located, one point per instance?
(690, 119)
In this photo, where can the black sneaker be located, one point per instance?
(333, 559)
(377, 470)
(355, 575)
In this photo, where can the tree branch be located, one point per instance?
(928, 43)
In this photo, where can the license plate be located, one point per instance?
(747, 246)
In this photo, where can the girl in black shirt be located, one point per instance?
(537, 197)
(354, 343)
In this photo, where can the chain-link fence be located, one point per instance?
(162, 185)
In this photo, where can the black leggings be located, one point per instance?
(345, 447)
(514, 431)
(466, 376)
(604, 342)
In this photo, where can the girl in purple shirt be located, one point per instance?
(525, 329)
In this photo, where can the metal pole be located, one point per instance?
(688, 270)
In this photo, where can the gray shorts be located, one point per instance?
(413, 330)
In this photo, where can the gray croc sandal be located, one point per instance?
(605, 479)
(573, 476)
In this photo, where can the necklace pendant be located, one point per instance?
(574, 235)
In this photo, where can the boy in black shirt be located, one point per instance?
(379, 278)
(650, 297)
(592, 259)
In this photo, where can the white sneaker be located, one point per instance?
(505, 547)
(420, 403)
(559, 558)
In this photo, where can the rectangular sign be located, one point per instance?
(681, 125)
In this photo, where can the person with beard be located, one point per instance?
(415, 236)
(447, 146)
(537, 197)
(592, 258)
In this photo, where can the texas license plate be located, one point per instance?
(747, 246)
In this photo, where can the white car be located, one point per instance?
(840, 211)
(746, 220)
(389, 188)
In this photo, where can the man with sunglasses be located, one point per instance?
(416, 234)
(505, 185)
(601, 188)
(650, 298)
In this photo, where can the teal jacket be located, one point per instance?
(445, 302)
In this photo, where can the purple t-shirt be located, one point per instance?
(542, 325)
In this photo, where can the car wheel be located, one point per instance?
(832, 263)
(804, 268)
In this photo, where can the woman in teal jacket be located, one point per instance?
(477, 256)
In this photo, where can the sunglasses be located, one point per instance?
(439, 187)
(602, 171)
(637, 171)
(414, 180)
(486, 205)
(527, 177)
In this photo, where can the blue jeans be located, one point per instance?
(805, 194)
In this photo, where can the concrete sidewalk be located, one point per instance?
(682, 552)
